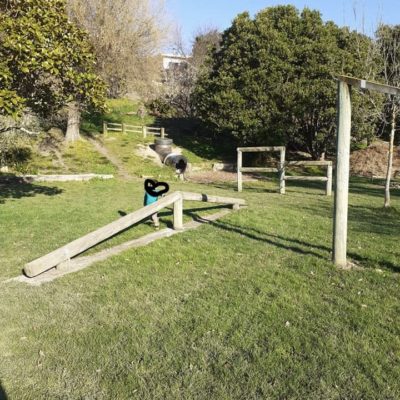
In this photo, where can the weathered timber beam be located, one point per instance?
(212, 199)
(309, 163)
(258, 169)
(78, 246)
(368, 85)
(306, 178)
(260, 149)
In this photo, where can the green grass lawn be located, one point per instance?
(247, 307)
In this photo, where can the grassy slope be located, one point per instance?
(81, 157)
(124, 146)
(248, 307)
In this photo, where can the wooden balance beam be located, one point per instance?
(78, 246)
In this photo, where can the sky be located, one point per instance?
(191, 15)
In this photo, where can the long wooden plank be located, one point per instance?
(374, 86)
(78, 246)
(260, 149)
(306, 178)
(134, 126)
(212, 199)
(309, 163)
(114, 124)
(258, 169)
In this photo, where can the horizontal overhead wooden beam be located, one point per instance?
(368, 85)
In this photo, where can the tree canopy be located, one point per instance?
(45, 60)
(272, 80)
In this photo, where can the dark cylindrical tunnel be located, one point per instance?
(163, 148)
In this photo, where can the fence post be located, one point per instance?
(239, 170)
(329, 181)
(144, 132)
(123, 128)
(105, 128)
(282, 187)
(162, 132)
(178, 214)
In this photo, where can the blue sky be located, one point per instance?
(192, 15)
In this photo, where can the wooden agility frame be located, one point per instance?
(340, 216)
(280, 169)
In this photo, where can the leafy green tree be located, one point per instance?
(46, 61)
(272, 81)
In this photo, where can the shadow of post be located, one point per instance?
(3, 395)
(295, 245)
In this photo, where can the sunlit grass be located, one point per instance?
(248, 307)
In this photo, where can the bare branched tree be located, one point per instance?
(388, 44)
(179, 81)
(127, 36)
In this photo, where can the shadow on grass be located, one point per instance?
(16, 188)
(296, 245)
(3, 395)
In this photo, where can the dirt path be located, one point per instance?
(122, 172)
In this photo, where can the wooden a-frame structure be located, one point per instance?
(339, 253)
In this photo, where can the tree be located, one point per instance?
(388, 44)
(46, 61)
(126, 35)
(180, 80)
(272, 81)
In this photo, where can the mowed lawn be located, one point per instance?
(247, 307)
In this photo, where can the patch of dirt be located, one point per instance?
(147, 152)
(217, 176)
(372, 161)
(113, 160)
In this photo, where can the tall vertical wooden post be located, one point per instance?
(239, 171)
(178, 214)
(342, 176)
(105, 128)
(144, 132)
(162, 132)
(282, 186)
(328, 190)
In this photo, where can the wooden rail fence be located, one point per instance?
(126, 128)
(78, 246)
(281, 168)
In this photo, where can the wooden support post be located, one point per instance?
(123, 128)
(162, 132)
(342, 176)
(105, 128)
(239, 170)
(282, 186)
(328, 190)
(144, 130)
(178, 214)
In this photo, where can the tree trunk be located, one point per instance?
(74, 117)
(390, 159)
